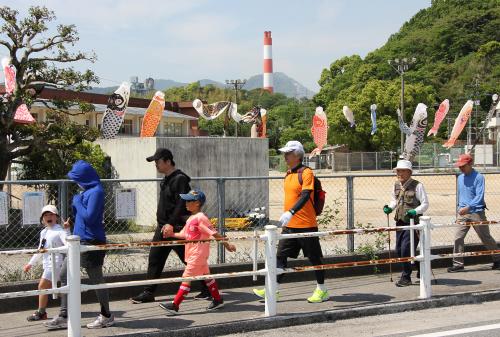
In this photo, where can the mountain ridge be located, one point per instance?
(283, 84)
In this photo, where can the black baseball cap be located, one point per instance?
(162, 153)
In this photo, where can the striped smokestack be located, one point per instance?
(268, 62)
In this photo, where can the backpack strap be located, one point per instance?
(299, 174)
(301, 181)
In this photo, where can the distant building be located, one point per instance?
(149, 84)
(141, 88)
(179, 119)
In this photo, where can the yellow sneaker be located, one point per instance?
(318, 296)
(262, 293)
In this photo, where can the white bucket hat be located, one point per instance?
(49, 208)
(292, 146)
(403, 165)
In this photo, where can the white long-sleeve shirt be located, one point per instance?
(421, 196)
(50, 237)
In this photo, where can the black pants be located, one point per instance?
(310, 247)
(403, 249)
(158, 257)
(92, 263)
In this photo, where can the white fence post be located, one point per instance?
(255, 253)
(425, 263)
(412, 239)
(74, 283)
(55, 272)
(271, 281)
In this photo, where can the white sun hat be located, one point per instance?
(403, 165)
(49, 208)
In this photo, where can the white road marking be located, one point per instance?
(461, 331)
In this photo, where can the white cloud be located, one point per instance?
(186, 40)
(114, 15)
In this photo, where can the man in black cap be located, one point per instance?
(171, 215)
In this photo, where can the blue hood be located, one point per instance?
(84, 174)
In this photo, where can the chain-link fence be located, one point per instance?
(430, 156)
(352, 201)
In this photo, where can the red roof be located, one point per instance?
(58, 94)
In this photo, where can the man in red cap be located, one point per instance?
(471, 208)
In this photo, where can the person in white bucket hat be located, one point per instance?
(52, 236)
(408, 200)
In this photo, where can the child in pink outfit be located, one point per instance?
(198, 227)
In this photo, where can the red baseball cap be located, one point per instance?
(464, 159)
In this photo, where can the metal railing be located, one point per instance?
(430, 156)
(270, 238)
(352, 201)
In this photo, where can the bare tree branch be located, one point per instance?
(62, 60)
(24, 38)
(6, 44)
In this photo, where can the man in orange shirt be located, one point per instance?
(299, 217)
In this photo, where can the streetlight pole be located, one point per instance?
(401, 66)
(236, 85)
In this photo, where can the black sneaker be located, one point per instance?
(37, 316)
(144, 297)
(170, 308)
(204, 295)
(403, 282)
(455, 268)
(496, 265)
(214, 305)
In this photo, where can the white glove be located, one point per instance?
(285, 218)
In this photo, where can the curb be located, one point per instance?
(281, 321)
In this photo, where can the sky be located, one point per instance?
(189, 40)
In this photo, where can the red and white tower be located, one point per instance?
(268, 62)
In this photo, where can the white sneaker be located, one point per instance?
(101, 322)
(57, 323)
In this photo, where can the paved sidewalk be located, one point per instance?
(242, 305)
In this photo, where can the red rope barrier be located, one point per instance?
(348, 264)
(473, 223)
(479, 253)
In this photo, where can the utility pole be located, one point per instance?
(402, 66)
(236, 85)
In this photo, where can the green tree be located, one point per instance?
(34, 50)
(454, 41)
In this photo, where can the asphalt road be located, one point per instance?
(478, 320)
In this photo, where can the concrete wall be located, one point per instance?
(128, 159)
(128, 156)
(197, 157)
(225, 157)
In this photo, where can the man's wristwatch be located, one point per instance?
(292, 211)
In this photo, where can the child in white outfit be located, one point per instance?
(52, 236)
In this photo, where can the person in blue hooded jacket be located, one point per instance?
(88, 213)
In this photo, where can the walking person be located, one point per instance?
(198, 227)
(52, 236)
(88, 213)
(171, 216)
(408, 200)
(471, 208)
(299, 217)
